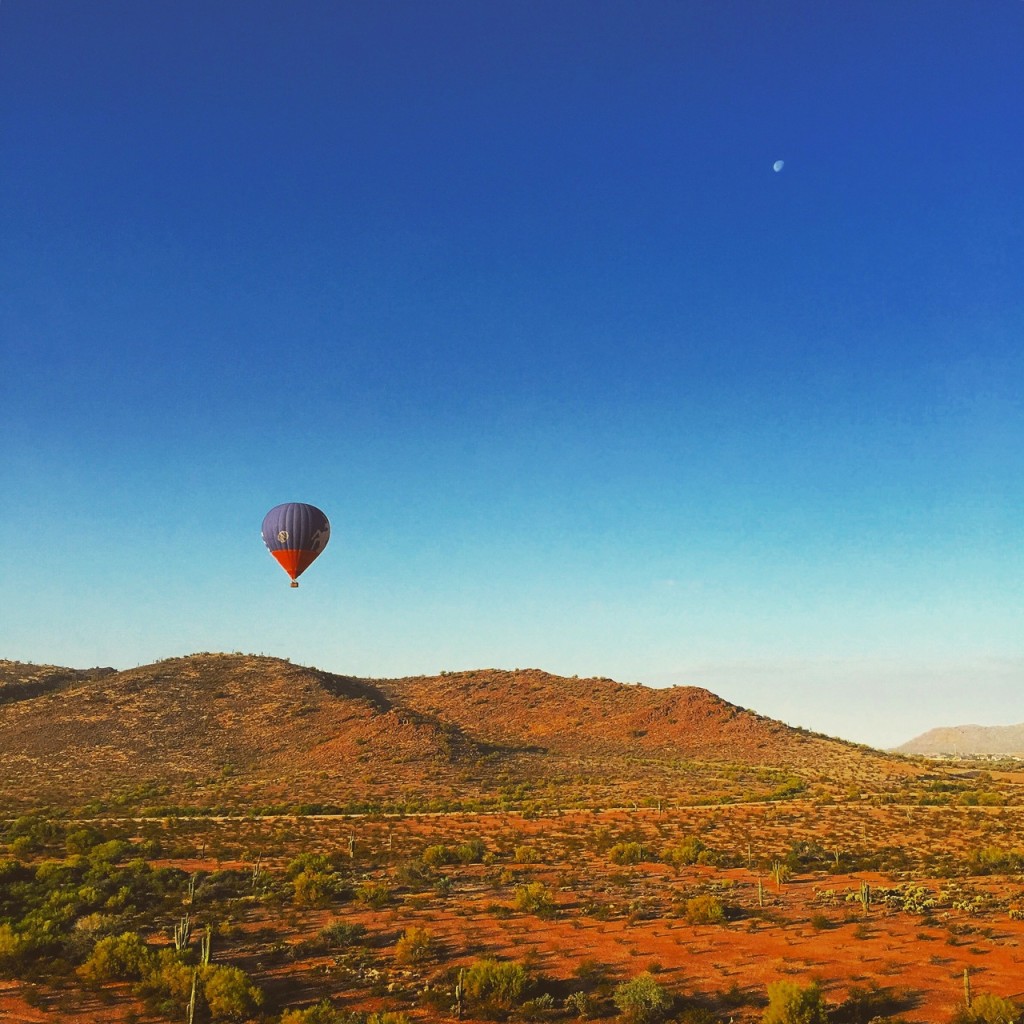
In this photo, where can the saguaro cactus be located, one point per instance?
(865, 896)
(182, 933)
(192, 998)
(457, 1007)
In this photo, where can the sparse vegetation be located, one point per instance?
(641, 1000)
(791, 1003)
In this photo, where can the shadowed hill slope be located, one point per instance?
(240, 732)
(19, 681)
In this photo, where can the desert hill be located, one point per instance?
(969, 739)
(601, 716)
(241, 732)
(19, 680)
(212, 725)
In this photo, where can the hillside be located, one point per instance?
(234, 731)
(210, 728)
(19, 681)
(602, 717)
(969, 739)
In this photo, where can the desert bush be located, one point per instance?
(12, 946)
(472, 851)
(228, 993)
(167, 984)
(374, 894)
(123, 957)
(790, 1003)
(988, 1009)
(387, 1017)
(704, 910)
(413, 873)
(542, 1007)
(535, 898)
(111, 851)
(438, 855)
(591, 972)
(993, 860)
(306, 862)
(697, 1015)
(313, 888)
(689, 851)
(868, 1005)
(323, 1013)
(626, 853)
(339, 934)
(495, 984)
(525, 855)
(81, 840)
(581, 1003)
(415, 945)
(641, 1000)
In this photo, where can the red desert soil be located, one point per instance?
(628, 918)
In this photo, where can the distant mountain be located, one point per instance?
(236, 731)
(969, 739)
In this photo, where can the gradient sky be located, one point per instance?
(512, 292)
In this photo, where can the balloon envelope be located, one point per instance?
(778, 165)
(295, 534)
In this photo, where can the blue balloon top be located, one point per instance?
(295, 526)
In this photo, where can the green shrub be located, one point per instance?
(11, 947)
(82, 840)
(495, 983)
(437, 856)
(387, 1017)
(535, 898)
(123, 957)
(988, 1009)
(168, 983)
(307, 862)
(641, 1000)
(323, 1013)
(689, 851)
(626, 853)
(340, 934)
(313, 888)
(472, 851)
(415, 945)
(790, 1003)
(229, 994)
(373, 894)
(704, 910)
(581, 1003)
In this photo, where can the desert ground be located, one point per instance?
(715, 903)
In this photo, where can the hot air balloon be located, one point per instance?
(295, 534)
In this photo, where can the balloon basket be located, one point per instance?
(295, 583)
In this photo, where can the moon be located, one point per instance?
(778, 165)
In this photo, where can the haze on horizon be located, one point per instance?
(514, 294)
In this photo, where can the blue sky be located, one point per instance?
(512, 292)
